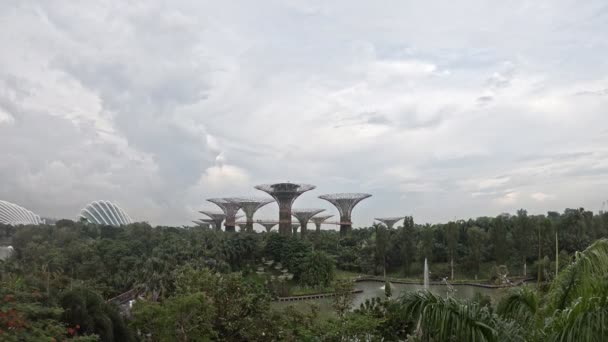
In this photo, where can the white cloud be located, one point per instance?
(5, 117)
(142, 103)
(541, 197)
(508, 199)
(492, 182)
(223, 177)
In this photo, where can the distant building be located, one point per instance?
(6, 252)
(15, 215)
(105, 213)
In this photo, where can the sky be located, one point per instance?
(440, 109)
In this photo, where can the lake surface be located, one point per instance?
(373, 289)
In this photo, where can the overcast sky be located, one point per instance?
(440, 109)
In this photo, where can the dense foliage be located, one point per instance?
(196, 284)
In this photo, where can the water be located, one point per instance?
(373, 289)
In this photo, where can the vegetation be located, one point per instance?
(196, 284)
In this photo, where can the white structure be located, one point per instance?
(6, 252)
(105, 213)
(14, 215)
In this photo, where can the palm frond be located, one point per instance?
(579, 279)
(585, 320)
(520, 304)
(449, 319)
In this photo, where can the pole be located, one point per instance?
(539, 255)
(556, 254)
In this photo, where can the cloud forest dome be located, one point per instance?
(105, 213)
(13, 214)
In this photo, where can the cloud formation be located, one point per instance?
(440, 110)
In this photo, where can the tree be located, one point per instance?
(574, 308)
(451, 235)
(449, 319)
(87, 310)
(343, 297)
(381, 244)
(388, 292)
(476, 238)
(522, 236)
(425, 246)
(181, 318)
(26, 315)
(318, 269)
(498, 237)
(406, 242)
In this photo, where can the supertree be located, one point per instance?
(242, 226)
(285, 194)
(204, 223)
(303, 216)
(345, 203)
(249, 205)
(268, 225)
(389, 221)
(294, 228)
(318, 220)
(230, 209)
(216, 217)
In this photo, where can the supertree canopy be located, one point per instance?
(389, 221)
(204, 222)
(268, 224)
(250, 205)
(345, 203)
(242, 226)
(303, 216)
(230, 209)
(217, 218)
(285, 194)
(319, 219)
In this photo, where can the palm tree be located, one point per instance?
(574, 309)
(450, 319)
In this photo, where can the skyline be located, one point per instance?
(440, 110)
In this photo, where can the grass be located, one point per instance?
(342, 275)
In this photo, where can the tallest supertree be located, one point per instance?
(345, 204)
(285, 194)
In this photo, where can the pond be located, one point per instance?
(373, 289)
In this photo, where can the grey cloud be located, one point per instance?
(268, 81)
(485, 99)
(602, 92)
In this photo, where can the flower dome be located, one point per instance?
(105, 213)
(15, 215)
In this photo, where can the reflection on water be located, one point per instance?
(373, 289)
(376, 289)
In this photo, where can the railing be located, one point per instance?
(311, 296)
(125, 297)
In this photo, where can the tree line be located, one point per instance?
(201, 284)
